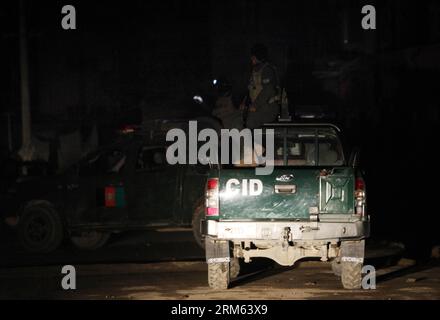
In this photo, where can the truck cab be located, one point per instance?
(313, 204)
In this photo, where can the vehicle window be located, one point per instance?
(107, 162)
(305, 147)
(150, 158)
(279, 147)
(312, 147)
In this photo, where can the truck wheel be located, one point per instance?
(234, 267)
(351, 274)
(218, 275)
(90, 240)
(336, 267)
(40, 228)
(199, 214)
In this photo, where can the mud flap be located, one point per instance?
(353, 251)
(217, 251)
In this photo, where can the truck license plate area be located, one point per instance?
(238, 231)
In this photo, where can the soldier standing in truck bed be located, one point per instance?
(262, 103)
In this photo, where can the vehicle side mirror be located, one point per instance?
(354, 158)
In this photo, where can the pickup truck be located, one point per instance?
(313, 205)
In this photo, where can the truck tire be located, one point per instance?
(40, 228)
(351, 275)
(198, 215)
(218, 275)
(234, 268)
(91, 240)
(336, 267)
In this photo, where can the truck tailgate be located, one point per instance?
(286, 194)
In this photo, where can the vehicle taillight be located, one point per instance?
(359, 184)
(359, 194)
(212, 197)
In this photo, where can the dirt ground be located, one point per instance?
(187, 280)
(170, 265)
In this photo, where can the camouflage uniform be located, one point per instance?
(263, 93)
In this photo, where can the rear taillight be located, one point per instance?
(360, 197)
(212, 197)
(359, 184)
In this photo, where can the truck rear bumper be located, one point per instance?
(299, 230)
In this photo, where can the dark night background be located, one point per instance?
(134, 60)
